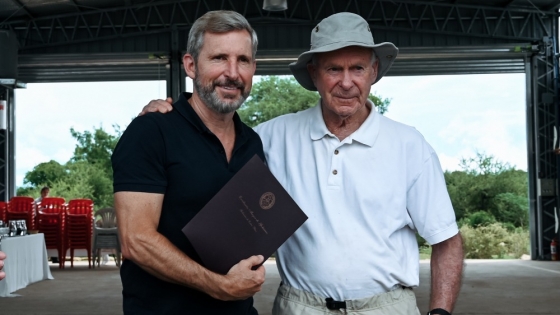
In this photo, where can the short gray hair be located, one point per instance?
(220, 21)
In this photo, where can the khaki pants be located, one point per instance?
(291, 301)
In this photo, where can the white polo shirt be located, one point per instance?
(364, 196)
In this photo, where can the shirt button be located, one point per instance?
(334, 172)
(335, 152)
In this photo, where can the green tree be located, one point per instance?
(96, 147)
(488, 185)
(88, 174)
(274, 96)
(46, 173)
(85, 180)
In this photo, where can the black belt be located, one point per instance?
(335, 305)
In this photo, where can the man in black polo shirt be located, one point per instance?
(168, 166)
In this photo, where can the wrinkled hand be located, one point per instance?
(241, 282)
(162, 106)
(2, 273)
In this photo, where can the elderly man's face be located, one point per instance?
(343, 78)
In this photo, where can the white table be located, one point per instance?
(26, 262)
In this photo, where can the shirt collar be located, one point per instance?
(366, 134)
(185, 109)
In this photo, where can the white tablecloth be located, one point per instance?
(26, 262)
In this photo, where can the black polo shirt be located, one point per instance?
(177, 155)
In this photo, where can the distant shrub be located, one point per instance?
(518, 243)
(480, 218)
(493, 241)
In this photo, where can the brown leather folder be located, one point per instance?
(251, 215)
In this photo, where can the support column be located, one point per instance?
(543, 190)
(176, 73)
(7, 145)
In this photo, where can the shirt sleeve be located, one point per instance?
(139, 158)
(429, 205)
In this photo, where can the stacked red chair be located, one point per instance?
(51, 213)
(79, 226)
(22, 208)
(3, 209)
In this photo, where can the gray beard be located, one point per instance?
(212, 100)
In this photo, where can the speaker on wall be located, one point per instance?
(8, 55)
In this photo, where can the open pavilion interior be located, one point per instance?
(118, 40)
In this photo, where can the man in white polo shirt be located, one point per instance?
(367, 184)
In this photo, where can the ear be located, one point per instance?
(189, 65)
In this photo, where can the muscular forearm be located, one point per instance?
(447, 271)
(138, 218)
(158, 256)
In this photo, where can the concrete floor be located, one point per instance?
(489, 287)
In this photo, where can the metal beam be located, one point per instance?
(509, 23)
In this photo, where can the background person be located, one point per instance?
(44, 193)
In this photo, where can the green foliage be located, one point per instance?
(491, 186)
(88, 174)
(483, 165)
(511, 208)
(480, 218)
(381, 104)
(274, 96)
(86, 180)
(45, 174)
(96, 147)
(494, 241)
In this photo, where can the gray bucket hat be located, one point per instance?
(338, 31)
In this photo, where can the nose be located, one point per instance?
(346, 80)
(232, 70)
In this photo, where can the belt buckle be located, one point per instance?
(335, 305)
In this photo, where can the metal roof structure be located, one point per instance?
(103, 40)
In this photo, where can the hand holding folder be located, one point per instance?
(251, 215)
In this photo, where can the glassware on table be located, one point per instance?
(13, 228)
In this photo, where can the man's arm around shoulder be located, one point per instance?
(138, 216)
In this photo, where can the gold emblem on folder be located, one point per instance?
(267, 200)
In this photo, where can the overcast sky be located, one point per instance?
(458, 115)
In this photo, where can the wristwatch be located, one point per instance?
(438, 311)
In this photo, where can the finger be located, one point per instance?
(2, 275)
(169, 100)
(255, 260)
(163, 106)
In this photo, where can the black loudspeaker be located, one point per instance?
(8, 55)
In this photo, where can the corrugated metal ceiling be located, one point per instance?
(29, 9)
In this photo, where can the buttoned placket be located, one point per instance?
(336, 153)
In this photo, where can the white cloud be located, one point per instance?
(460, 115)
(45, 113)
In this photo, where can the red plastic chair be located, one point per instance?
(51, 214)
(79, 222)
(3, 209)
(22, 208)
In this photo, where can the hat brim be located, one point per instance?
(386, 54)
